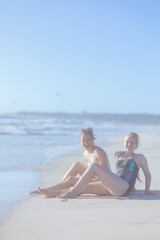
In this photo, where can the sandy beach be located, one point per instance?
(135, 216)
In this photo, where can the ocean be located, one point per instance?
(30, 140)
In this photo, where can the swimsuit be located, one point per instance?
(92, 158)
(127, 169)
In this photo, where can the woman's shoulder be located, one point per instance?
(140, 157)
(101, 157)
(141, 160)
(99, 150)
(117, 154)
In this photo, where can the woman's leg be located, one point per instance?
(52, 194)
(96, 188)
(76, 168)
(115, 185)
(68, 180)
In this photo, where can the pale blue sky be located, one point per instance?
(84, 55)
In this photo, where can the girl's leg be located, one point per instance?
(116, 185)
(76, 168)
(70, 177)
(96, 188)
(68, 180)
(52, 194)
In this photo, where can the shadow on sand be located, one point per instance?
(137, 195)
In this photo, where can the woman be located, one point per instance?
(128, 164)
(92, 154)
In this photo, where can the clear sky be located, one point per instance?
(80, 55)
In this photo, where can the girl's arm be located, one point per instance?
(147, 174)
(102, 158)
(117, 154)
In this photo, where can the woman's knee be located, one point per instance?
(93, 165)
(72, 180)
(76, 165)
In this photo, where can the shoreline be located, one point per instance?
(42, 172)
(37, 217)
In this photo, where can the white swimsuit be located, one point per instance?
(92, 158)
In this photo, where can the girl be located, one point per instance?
(92, 154)
(128, 164)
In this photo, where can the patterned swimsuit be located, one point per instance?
(127, 169)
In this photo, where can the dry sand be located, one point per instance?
(135, 216)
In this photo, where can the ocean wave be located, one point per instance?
(48, 126)
(69, 124)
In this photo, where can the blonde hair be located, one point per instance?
(135, 136)
(88, 131)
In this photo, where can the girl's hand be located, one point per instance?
(147, 192)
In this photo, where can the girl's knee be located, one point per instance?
(76, 165)
(72, 180)
(93, 165)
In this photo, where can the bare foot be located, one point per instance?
(42, 191)
(33, 192)
(46, 193)
(68, 194)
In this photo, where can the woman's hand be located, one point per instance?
(148, 192)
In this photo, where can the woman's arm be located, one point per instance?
(102, 158)
(117, 154)
(147, 174)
